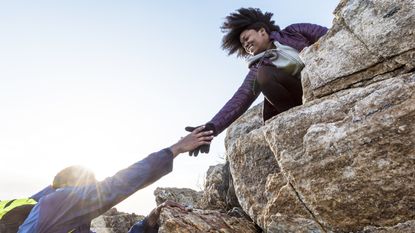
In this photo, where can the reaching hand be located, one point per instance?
(203, 148)
(195, 139)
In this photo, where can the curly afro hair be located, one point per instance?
(241, 20)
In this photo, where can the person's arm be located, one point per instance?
(70, 207)
(238, 104)
(312, 32)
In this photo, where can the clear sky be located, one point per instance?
(105, 83)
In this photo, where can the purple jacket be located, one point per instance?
(297, 36)
(72, 208)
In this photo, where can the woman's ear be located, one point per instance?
(262, 31)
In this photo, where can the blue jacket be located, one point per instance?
(73, 208)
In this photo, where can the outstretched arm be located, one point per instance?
(101, 197)
(68, 207)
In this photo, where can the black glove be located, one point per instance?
(202, 148)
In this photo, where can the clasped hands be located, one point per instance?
(203, 148)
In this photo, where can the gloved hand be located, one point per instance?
(202, 148)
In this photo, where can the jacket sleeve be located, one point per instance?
(312, 32)
(70, 207)
(238, 104)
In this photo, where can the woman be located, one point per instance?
(252, 34)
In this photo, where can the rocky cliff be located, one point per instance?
(344, 161)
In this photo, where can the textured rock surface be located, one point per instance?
(114, 222)
(252, 119)
(345, 160)
(219, 192)
(261, 188)
(184, 196)
(173, 220)
(406, 227)
(351, 158)
(368, 38)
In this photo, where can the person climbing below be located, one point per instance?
(274, 65)
(76, 197)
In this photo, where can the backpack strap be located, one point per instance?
(13, 213)
(8, 205)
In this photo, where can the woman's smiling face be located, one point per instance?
(254, 41)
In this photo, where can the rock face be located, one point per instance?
(210, 207)
(114, 222)
(202, 221)
(219, 192)
(399, 228)
(345, 160)
(368, 38)
(264, 192)
(353, 165)
(251, 120)
(184, 196)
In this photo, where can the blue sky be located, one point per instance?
(104, 83)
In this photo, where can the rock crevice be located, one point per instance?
(308, 209)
